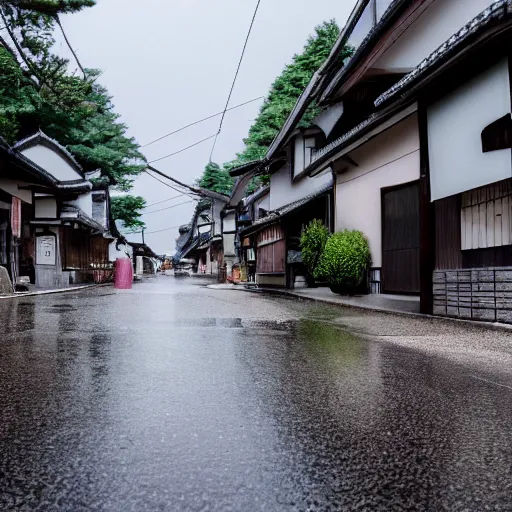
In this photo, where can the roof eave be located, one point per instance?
(452, 49)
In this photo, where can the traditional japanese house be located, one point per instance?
(464, 92)
(399, 116)
(17, 177)
(201, 239)
(293, 200)
(69, 225)
(250, 210)
(391, 165)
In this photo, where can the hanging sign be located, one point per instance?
(46, 250)
(16, 217)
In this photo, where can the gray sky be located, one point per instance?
(170, 63)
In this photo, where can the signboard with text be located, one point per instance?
(46, 250)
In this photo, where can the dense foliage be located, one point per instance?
(312, 243)
(283, 95)
(216, 178)
(345, 259)
(128, 209)
(286, 90)
(37, 91)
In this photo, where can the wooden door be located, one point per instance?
(401, 239)
(271, 251)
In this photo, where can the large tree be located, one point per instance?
(216, 178)
(283, 95)
(286, 90)
(129, 210)
(38, 91)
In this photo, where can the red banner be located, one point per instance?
(16, 217)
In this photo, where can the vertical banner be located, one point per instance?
(16, 217)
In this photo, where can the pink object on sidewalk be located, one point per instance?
(124, 274)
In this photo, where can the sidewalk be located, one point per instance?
(375, 302)
(72, 288)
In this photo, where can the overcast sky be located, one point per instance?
(170, 63)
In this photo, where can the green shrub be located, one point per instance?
(312, 242)
(345, 259)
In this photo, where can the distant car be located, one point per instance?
(184, 268)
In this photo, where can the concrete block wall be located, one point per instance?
(475, 294)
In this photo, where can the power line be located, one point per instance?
(157, 231)
(234, 79)
(184, 149)
(169, 207)
(167, 184)
(174, 180)
(163, 201)
(200, 121)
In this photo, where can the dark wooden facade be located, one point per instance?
(448, 250)
(271, 250)
(400, 239)
(80, 251)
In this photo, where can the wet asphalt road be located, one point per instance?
(175, 397)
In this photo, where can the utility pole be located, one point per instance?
(143, 243)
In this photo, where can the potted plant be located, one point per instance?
(345, 261)
(312, 242)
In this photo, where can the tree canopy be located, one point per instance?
(38, 91)
(216, 178)
(282, 96)
(128, 209)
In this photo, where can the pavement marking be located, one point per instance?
(491, 382)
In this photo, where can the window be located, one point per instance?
(486, 216)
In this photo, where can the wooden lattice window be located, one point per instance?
(486, 216)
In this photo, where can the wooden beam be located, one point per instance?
(427, 220)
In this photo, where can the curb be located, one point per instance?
(51, 292)
(374, 309)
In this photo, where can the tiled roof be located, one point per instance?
(245, 168)
(74, 213)
(496, 11)
(256, 195)
(43, 139)
(288, 208)
(340, 140)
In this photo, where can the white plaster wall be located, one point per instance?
(229, 223)
(392, 158)
(216, 209)
(99, 212)
(229, 245)
(45, 208)
(12, 187)
(52, 163)
(84, 202)
(328, 118)
(283, 191)
(298, 156)
(263, 203)
(436, 25)
(455, 125)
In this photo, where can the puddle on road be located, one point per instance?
(236, 323)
